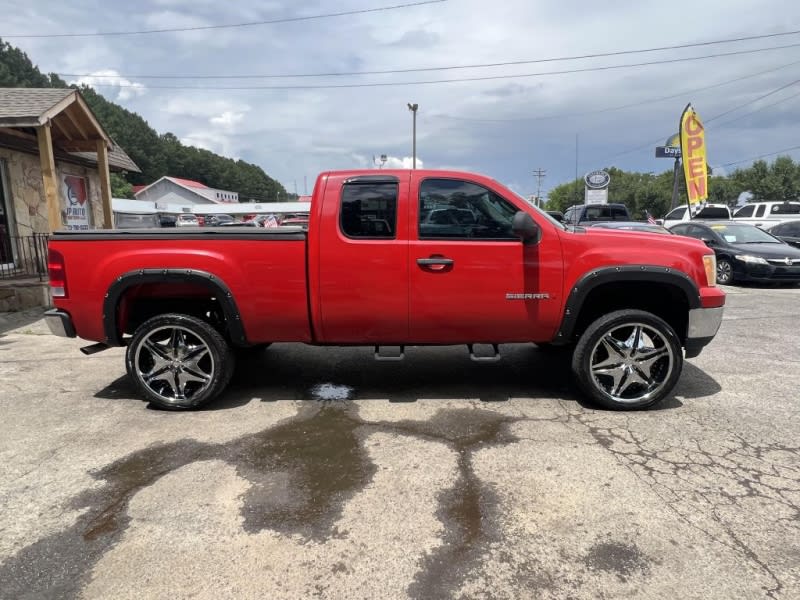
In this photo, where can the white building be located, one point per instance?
(173, 190)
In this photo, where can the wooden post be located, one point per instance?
(48, 163)
(105, 183)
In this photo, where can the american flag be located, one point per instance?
(650, 218)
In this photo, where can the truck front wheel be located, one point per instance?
(628, 360)
(179, 362)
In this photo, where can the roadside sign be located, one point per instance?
(668, 152)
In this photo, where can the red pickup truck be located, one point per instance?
(391, 259)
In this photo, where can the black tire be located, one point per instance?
(724, 272)
(179, 362)
(628, 360)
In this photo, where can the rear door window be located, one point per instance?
(369, 210)
(761, 210)
(785, 209)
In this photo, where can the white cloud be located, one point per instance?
(104, 79)
(294, 133)
(406, 162)
(228, 119)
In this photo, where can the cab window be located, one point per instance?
(678, 213)
(369, 210)
(455, 209)
(745, 211)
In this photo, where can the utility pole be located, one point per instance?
(539, 174)
(413, 108)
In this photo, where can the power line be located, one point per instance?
(714, 118)
(624, 106)
(450, 67)
(775, 91)
(229, 26)
(738, 162)
(747, 114)
(457, 80)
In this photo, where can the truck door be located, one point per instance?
(363, 260)
(471, 279)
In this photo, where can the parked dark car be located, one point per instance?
(633, 226)
(788, 232)
(745, 252)
(556, 214)
(586, 214)
(167, 220)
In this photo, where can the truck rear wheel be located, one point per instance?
(628, 360)
(179, 362)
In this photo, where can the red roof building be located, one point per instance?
(176, 190)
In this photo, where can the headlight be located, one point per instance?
(710, 264)
(751, 260)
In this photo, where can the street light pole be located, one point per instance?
(413, 108)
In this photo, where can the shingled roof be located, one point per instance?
(75, 127)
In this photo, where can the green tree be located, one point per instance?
(120, 188)
(778, 181)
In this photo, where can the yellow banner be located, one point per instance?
(693, 151)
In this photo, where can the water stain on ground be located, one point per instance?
(302, 472)
(621, 559)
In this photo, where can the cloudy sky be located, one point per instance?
(505, 125)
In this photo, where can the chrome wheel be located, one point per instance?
(632, 363)
(724, 272)
(174, 364)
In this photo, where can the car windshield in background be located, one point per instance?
(744, 234)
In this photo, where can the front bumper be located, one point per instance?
(773, 273)
(59, 322)
(703, 326)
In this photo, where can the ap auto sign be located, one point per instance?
(597, 180)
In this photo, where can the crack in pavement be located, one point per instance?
(650, 466)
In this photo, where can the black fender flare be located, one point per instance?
(208, 280)
(617, 274)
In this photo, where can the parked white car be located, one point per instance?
(187, 220)
(767, 214)
(704, 211)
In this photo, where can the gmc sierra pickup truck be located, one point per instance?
(391, 259)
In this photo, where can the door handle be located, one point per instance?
(438, 263)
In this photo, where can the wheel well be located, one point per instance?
(139, 303)
(661, 299)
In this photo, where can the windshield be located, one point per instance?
(539, 211)
(744, 234)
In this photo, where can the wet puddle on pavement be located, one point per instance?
(302, 472)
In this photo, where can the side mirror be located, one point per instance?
(708, 241)
(524, 227)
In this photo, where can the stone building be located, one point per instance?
(55, 163)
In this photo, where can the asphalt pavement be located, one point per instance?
(322, 473)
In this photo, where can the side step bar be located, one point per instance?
(390, 353)
(482, 355)
(485, 352)
(94, 348)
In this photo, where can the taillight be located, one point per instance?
(58, 275)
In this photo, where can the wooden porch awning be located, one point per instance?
(60, 120)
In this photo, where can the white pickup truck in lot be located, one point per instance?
(767, 214)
